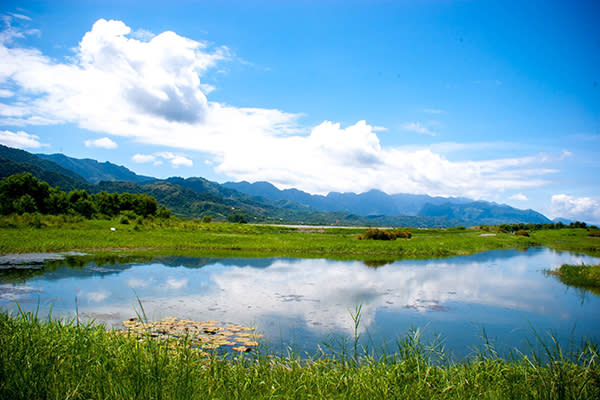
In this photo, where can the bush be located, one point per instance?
(594, 234)
(381, 234)
(238, 218)
(522, 233)
(206, 219)
(164, 212)
(401, 234)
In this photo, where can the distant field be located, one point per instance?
(56, 233)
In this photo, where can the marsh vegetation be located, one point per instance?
(54, 359)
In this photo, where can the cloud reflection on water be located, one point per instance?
(315, 296)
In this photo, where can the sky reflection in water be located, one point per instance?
(305, 301)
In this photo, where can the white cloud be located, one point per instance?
(581, 209)
(98, 296)
(176, 160)
(565, 154)
(20, 16)
(173, 283)
(153, 92)
(143, 35)
(20, 140)
(292, 290)
(518, 197)
(6, 93)
(104, 143)
(418, 128)
(138, 283)
(143, 158)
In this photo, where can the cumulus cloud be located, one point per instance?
(20, 140)
(518, 197)
(153, 91)
(581, 209)
(418, 128)
(104, 143)
(176, 160)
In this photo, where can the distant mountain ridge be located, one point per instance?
(373, 202)
(262, 201)
(95, 171)
(485, 213)
(378, 203)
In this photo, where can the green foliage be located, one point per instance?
(580, 276)
(522, 233)
(381, 234)
(508, 228)
(24, 204)
(237, 218)
(23, 193)
(73, 232)
(163, 212)
(57, 360)
(207, 219)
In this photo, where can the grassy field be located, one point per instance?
(47, 234)
(51, 359)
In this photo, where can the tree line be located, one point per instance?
(510, 228)
(23, 193)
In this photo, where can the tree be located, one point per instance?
(57, 202)
(108, 203)
(24, 204)
(14, 187)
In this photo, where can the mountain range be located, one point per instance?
(261, 201)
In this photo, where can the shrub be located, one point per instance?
(381, 234)
(164, 212)
(522, 233)
(594, 234)
(401, 234)
(238, 218)
(206, 219)
(378, 234)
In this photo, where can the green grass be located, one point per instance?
(65, 360)
(580, 276)
(21, 234)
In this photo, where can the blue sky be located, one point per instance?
(492, 100)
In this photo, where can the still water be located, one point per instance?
(304, 302)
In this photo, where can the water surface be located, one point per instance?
(303, 302)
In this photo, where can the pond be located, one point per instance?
(305, 302)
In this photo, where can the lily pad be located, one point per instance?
(205, 335)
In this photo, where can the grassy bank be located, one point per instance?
(49, 359)
(56, 233)
(580, 276)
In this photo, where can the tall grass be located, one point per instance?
(579, 276)
(42, 359)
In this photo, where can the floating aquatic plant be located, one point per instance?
(204, 335)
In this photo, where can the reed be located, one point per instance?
(49, 358)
